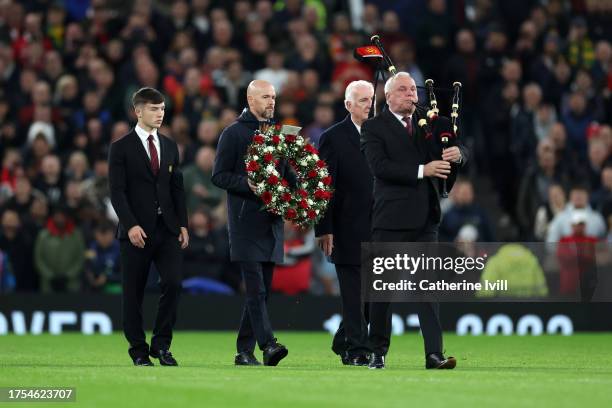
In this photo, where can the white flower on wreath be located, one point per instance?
(255, 157)
(320, 185)
(270, 169)
(315, 157)
(303, 163)
(310, 202)
(269, 149)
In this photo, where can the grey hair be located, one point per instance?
(350, 89)
(391, 80)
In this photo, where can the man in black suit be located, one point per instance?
(256, 237)
(406, 168)
(347, 221)
(147, 194)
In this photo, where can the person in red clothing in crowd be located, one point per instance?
(293, 275)
(577, 260)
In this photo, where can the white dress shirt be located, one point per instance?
(404, 124)
(144, 138)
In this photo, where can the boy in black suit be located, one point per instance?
(147, 193)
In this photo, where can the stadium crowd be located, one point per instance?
(536, 112)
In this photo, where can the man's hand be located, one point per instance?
(137, 236)
(184, 238)
(251, 185)
(326, 243)
(437, 168)
(452, 154)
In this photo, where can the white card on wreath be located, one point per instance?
(290, 130)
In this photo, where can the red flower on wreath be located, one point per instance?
(321, 195)
(326, 180)
(290, 214)
(311, 149)
(252, 166)
(320, 164)
(312, 214)
(275, 139)
(266, 197)
(278, 126)
(284, 183)
(286, 197)
(290, 138)
(312, 174)
(302, 193)
(268, 157)
(303, 204)
(273, 180)
(259, 139)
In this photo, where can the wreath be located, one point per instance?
(304, 205)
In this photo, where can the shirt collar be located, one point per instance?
(143, 134)
(356, 125)
(400, 117)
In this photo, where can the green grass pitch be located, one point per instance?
(513, 371)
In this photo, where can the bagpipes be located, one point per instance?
(441, 128)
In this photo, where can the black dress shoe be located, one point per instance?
(377, 361)
(143, 362)
(274, 353)
(165, 357)
(358, 360)
(438, 361)
(345, 359)
(246, 359)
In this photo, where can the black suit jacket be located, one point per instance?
(136, 193)
(348, 215)
(255, 235)
(402, 201)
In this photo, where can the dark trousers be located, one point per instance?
(163, 249)
(352, 335)
(255, 324)
(428, 312)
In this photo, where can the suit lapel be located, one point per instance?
(163, 152)
(352, 132)
(142, 152)
(399, 131)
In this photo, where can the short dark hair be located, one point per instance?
(147, 95)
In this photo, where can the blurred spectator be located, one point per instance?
(323, 118)
(274, 72)
(207, 256)
(561, 225)
(50, 181)
(199, 188)
(535, 185)
(522, 270)
(59, 254)
(576, 256)
(464, 211)
(580, 51)
(601, 199)
(17, 245)
(548, 211)
(102, 272)
(599, 152)
(576, 121)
